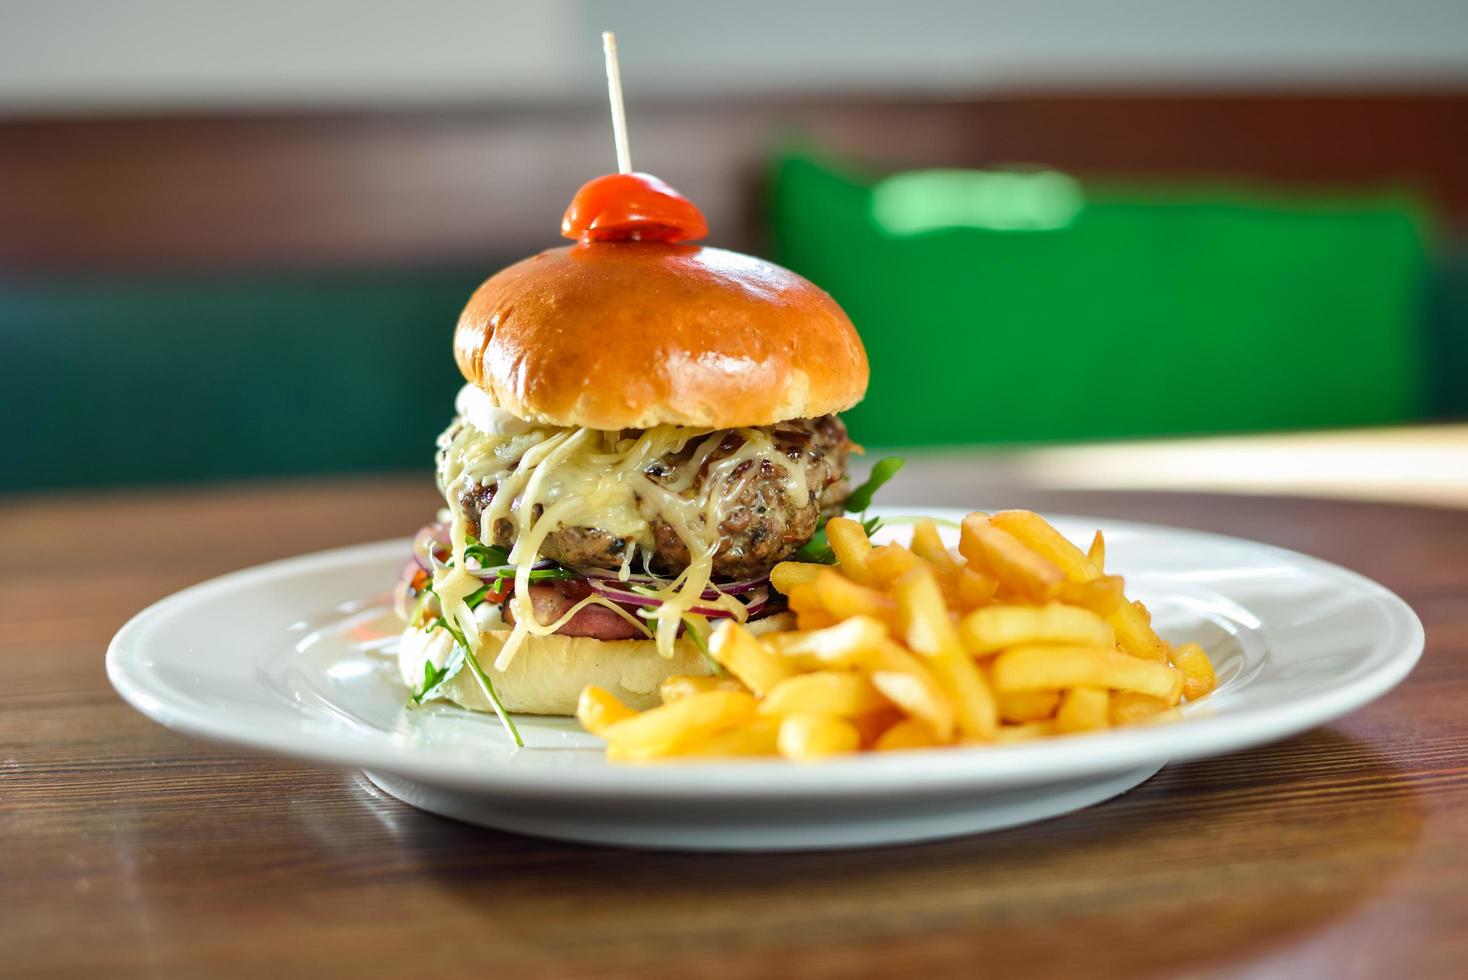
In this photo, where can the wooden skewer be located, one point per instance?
(614, 95)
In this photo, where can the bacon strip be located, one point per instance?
(551, 600)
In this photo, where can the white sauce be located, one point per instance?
(478, 409)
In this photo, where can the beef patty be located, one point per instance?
(760, 526)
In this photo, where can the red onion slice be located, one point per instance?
(430, 539)
(611, 580)
(758, 599)
(757, 602)
(635, 599)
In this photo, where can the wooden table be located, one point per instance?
(126, 850)
(1413, 464)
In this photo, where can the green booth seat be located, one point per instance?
(1447, 339)
(1018, 307)
(107, 381)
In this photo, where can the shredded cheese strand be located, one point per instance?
(590, 478)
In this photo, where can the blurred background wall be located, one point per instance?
(234, 238)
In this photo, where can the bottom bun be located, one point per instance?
(549, 672)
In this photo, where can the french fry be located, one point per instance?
(807, 737)
(810, 612)
(1003, 556)
(926, 625)
(1024, 706)
(1042, 667)
(889, 655)
(1179, 683)
(661, 731)
(842, 645)
(843, 598)
(801, 596)
(682, 685)
(1197, 670)
(1039, 536)
(930, 632)
(598, 709)
(1083, 709)
(1018, 636)
(1129, 707)
(758, 737)
(849, 541)
(788, 574)
(928, 545)
(997, 627)
(1025, 732)
(1133, 630)
(919, 695)
(740, 653)
(1103, 595)
(909, 682)
(949, 584)
(910, 733)
(871, 725)
(1135, 634)
(973, 589)
(889, 562)
(1171, 714)
(843, 693)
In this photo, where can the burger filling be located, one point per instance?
(764, 507)
(617, 535)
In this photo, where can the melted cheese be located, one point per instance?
(548, 478)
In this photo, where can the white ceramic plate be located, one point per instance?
(296, 657)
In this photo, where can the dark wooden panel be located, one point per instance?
(456, 185)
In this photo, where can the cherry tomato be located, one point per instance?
(632, 207)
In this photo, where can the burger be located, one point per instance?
(647, 427)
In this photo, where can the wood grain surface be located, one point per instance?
(128, 851)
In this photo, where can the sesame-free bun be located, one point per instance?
(627, 335)
(548, 673)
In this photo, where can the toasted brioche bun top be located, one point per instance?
(628, 335)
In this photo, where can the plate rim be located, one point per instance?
(939, 772)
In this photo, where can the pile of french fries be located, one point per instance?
(1018, 635)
